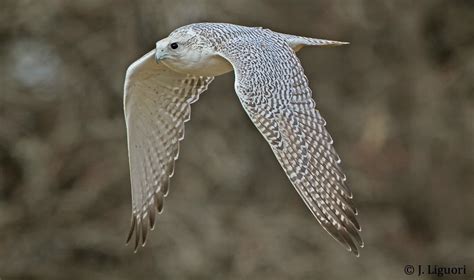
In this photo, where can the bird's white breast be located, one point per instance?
(213, 65)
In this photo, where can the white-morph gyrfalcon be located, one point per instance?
(270, 84)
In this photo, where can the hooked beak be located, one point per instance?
(160, 53)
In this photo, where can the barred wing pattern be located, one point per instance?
(274, 92)
(157, 104)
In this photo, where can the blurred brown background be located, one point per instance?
(399, 103)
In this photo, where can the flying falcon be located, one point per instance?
(273, 90)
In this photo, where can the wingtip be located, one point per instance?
(355, 251)
(133, 224)
(144, 233)
(135, 249)
(152, 217)
(159, 201)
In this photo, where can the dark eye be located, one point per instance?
(174, 46)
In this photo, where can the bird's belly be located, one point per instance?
(211, 66)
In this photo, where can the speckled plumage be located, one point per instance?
(272, 87)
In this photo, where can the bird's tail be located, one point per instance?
(298, 42)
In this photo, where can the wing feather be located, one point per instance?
(157, 104)
(275, 93)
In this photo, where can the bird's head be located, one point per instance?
(187, 52)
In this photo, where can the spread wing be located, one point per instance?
(274, 92)
(157, 104)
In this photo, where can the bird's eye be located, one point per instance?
(174, 46)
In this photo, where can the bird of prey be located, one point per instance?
(273, 90)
